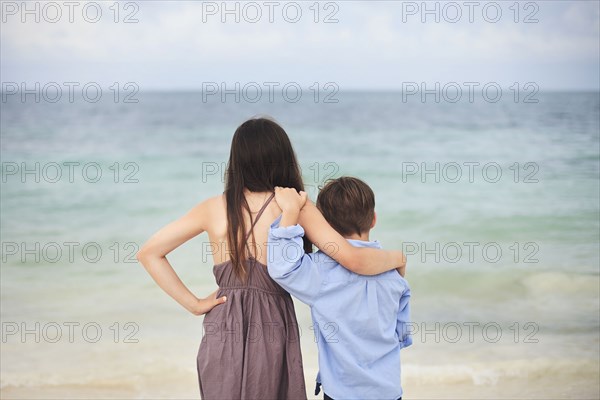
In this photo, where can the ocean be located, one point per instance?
(495, 203)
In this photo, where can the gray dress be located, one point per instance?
(251, 344)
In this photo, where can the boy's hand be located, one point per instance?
(289, 199)
(290, 202)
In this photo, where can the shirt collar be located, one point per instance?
(362, 243)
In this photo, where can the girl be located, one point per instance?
(251, 346)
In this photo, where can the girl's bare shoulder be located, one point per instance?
(215, 201)
(216, 212)
(214, 207)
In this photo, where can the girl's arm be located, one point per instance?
(153, 254)
(361, 260)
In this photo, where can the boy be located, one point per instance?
(360, 322)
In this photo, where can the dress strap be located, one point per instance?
(260, 212)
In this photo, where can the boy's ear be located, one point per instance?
(374, 220)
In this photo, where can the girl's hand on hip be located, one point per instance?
(205, 305)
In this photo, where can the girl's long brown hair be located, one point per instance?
(261, 158)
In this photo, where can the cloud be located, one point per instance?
(178, 44)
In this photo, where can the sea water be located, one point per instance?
(496, 205)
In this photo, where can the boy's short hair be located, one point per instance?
(348, 204)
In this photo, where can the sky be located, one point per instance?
(357, 45)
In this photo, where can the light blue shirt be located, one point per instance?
(360, 322)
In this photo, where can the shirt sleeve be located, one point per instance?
(290, 266)
(403, 320)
